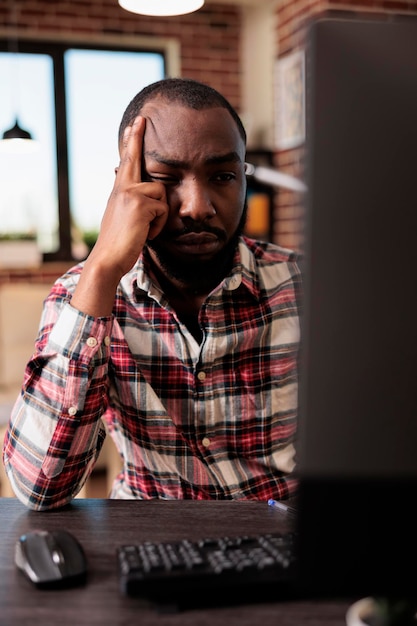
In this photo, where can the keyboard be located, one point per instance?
(208, 571)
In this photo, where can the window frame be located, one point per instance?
(169, 51)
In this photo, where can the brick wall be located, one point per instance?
(292, 18)
(209, 38)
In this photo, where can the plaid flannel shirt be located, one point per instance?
(204, 421)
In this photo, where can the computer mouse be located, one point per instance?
(51, 558)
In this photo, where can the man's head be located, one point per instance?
(194, 144)
(190, 93)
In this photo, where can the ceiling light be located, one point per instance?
(16, 132)
(17, 140)
(161, 7)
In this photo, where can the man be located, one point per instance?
(177, 332)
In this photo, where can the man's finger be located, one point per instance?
(130, 168)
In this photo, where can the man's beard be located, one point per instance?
(201, 275)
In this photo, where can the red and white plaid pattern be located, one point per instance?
(211, 420)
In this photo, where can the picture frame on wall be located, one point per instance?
(290, 100)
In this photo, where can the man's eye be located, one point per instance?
(166, 180)
(224, 177)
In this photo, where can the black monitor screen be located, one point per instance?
(358, 383)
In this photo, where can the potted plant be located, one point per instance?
(19, 250)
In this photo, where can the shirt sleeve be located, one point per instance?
(55, 432)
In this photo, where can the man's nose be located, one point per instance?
(195, 201)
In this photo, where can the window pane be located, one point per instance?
(99, 85)
(28, 182)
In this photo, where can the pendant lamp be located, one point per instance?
(16, 139)
(16, 132)
(161, 8)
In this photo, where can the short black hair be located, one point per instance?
(186, 91)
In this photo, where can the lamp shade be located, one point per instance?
(16, 132)
(17, 140)
(161, 7)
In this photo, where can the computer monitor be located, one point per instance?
(358, 380)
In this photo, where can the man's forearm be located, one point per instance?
(55, 431)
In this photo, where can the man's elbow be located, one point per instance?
(36, 498)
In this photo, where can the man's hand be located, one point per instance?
(136, 211)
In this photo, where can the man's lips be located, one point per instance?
(197, 243)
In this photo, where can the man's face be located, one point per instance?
(199, 156)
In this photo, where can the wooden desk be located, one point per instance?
(102, 525)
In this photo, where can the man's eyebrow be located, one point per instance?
(215, 159)
(230, 157)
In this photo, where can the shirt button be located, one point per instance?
(91, 342)
(107, 341)
(72, 410)
(201, 376)
(206, 442)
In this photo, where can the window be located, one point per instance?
(28, 182)
(71, 99)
